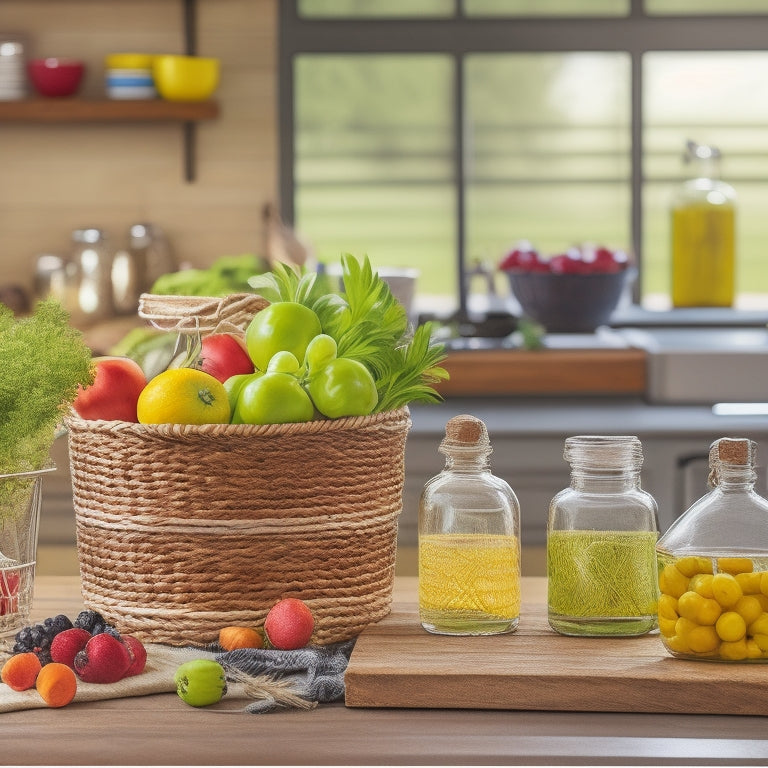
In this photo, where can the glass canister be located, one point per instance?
(469, 540)
(703, 234)
(713, 565)
(601, 540)
(91, 276)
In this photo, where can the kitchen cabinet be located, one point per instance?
(74, 110)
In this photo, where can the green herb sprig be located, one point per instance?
(42, 361)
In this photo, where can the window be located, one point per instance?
(437, 133)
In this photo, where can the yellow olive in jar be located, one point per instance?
(733, 651)
(760, 625)
(668, 607)
(763, 600)
(753, 649)
(690, 566)
(749, 608)
(726, 590)
(703, 639)
(688, 605)
(701, 583)
(672, 582)
(667, 626)
(749, 582)
(764, 583)
(677, 644)
(761, 641)
(734, 565)
(709, 611)
(731, 627)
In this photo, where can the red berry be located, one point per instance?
(138, 655)
(289, 624)
(105, 659)
(569, 263)
(67, 644)
(525, 256)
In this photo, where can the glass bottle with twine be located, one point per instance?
(601, 538)
(469, 540)
(713, 565)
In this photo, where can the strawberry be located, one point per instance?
(289, 624)
(67, 644)
(105, 659)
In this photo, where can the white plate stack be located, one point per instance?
(13, 77)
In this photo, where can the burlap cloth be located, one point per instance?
(258, 680)
(157, 677)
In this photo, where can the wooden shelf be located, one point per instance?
(68, 110)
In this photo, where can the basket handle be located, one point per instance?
(201, 314)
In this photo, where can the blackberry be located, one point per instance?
(89, 621)
(110, 630)
(37, 638)
(60, 623)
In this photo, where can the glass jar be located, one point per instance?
(703, 234)
(90, 277)
(469, 540)
(713, 565)
(601, 539)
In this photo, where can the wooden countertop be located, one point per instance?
(162, 730)
(545, 372)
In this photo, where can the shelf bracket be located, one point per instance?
(190, 49)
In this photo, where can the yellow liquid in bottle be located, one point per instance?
(703, 272)
(469, 584)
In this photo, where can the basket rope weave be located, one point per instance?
(184, 529)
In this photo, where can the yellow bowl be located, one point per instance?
(185, 78)
(128, 61)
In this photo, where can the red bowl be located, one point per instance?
(56, 77)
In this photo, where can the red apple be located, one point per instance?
(114, 392)
(224, 355)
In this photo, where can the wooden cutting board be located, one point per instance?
(396, 663)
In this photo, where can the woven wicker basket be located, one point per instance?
(182, 530)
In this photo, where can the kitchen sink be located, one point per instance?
(703, 364)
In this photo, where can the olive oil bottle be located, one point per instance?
(703, 234)
(469, 540)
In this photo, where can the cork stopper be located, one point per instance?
(730, 451)
(465, 432)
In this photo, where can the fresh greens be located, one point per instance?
(228, 274)
(369, 325)
(42, 361)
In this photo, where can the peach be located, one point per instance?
(114, 392)
(224, 355)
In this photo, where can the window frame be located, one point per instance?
(635, 34)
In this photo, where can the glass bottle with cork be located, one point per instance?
(601, 538)
(703, 234)
(469, 540)
(713, 565)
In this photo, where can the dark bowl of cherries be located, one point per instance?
(572, 292)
